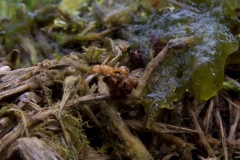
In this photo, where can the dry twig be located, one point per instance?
(200, 132)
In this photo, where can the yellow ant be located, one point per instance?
(107, 69)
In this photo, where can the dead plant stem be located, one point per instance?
(200, 132)
(222, 133)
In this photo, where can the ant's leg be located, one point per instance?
(105, 61)
(116, 66)
(118, 52)
(115, 49)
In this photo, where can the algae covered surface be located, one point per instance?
(198, 69)
(87, 59)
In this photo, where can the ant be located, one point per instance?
(107, 69)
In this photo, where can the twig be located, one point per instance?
(69, 85)
(232, 132)
(158, 127)
(174, 43)
(162, 131)
(236, 83)
(67, 39)
(19, 129)
(208, 116)
(87, 98)
(169, 155)
(32, 83)
(5, 122)
(24, 120)
(18, 71)
(11, 136)
(199, 108)
(200, 132)
(132, 145)
(219, 121)
(231, 102)
(90, 114)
